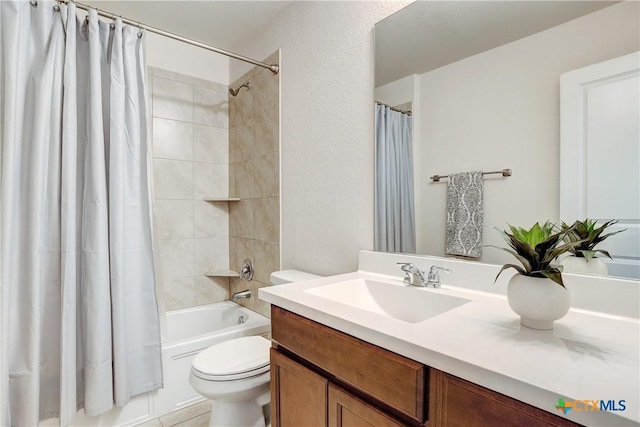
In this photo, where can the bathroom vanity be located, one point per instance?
(321, 377)
(346, 353)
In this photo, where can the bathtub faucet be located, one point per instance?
(247, 270)
(241, 295)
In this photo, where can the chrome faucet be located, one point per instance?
(246, 272)
(416, 277)
(241, 295)
(433, 279)
(413, 275)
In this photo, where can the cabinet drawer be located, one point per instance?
(388, 377)
(459, 403)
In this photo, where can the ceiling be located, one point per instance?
(421, 37)
(222, 24)
(429, 34)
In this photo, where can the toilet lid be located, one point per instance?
(246, 355)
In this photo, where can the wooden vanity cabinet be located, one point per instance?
(323, 377)
(347, 410)
(301, 397)
(298, 395)
(386, 380)
(459, 403)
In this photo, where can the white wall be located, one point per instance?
(172, 55)
(500, 109)
(326, 128)
(397, 92)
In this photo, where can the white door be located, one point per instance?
(600, 154)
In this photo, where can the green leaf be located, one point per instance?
(587, 254)
(588, 234)
(611, 234)
(603, 252)
(554, 274)
(548, 244)
(592, 254)
(506, 266)
(523, 248)
(557, 251)
(537, 247)
(524, 261)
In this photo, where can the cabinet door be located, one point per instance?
(346, 410)
(298, 395)
(386, 376)
(455, 402)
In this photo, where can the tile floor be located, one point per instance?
(192, 416)
(196, 415)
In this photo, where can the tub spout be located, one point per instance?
(241, 295)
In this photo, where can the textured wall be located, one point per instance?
(326, 128)
(172, 55)
(254, 221)
(190, 150)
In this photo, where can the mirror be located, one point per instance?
(482, 80)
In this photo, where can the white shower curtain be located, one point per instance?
(394, 214)
(79, 314)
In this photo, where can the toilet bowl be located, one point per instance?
(235, 373)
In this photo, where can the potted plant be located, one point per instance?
(583, 255)
(537, 292)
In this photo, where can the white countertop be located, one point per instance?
(588, 355)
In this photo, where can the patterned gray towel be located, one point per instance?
(465, 214)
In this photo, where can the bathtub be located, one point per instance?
(190, 331)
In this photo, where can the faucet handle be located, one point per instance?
(436, 268)
(407, 267)
(409, 270)
(246, 272)
(434, 275)
(413, 275)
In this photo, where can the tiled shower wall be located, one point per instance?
(254, 221)
(191, 158)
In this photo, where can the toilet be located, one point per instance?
(235, 373)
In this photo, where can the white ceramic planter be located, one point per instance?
(595, 266)
(538, 301)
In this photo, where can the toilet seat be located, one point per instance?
(234, 377)
(233, 359)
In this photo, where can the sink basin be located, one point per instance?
(405, 303)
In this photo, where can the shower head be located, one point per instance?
(234, 92)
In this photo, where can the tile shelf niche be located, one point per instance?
(222, 273)
(221, 199)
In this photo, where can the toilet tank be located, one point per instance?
(289, 276)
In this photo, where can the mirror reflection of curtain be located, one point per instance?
(394, 196)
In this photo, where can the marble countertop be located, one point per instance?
(587, 356)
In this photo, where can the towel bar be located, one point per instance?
(504, 172)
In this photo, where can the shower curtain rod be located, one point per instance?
(408, 112)
(275, 68)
